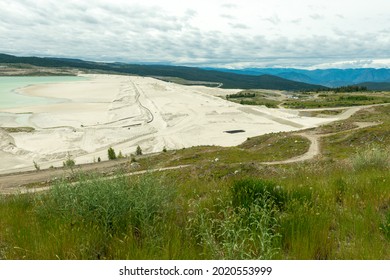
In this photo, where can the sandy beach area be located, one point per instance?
(125, 111)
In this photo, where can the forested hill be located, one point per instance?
(228, 80)
(325, 77)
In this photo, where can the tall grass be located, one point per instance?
(342, 215)
(386, 225)
(240, 227)
(371, 157)
(326, 210)
(251, 191)
(85, 220)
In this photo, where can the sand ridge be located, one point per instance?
(126, 111)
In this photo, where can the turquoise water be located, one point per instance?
(9, 97)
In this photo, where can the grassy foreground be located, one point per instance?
(318, 211)
(334, 207)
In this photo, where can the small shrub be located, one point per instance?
(111, 154)
(247, 192)
(120, 155)
(37, 167)
(138, 151)
(164, 149)
(133, 158)
(69, 162)
(373, 157)
(99, 159)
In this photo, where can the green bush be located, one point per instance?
(241, 94)
(247, 192)
(356, 98)
(133, 158)
(111, 154)
(69, 162)
(138, 151)
(372, 157)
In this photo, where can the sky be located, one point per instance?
(207, 33)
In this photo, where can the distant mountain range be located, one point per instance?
(326, 77)
(249, 78)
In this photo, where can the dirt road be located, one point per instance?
(46, 177)
(315, 149)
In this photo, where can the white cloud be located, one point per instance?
(374, 63)
(215, 33)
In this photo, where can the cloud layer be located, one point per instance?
(265, 33)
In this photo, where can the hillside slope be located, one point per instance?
(325, 77)
(228, 80)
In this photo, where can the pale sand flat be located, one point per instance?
(126, 111)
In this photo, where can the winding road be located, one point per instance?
(314, 148)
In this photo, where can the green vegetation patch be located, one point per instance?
(185, 82)
(316, 210)
(260, 102)
(18, 129)
(372, 157)
(93, 219)
(270, 147)
(247, 192)
(386, 225)
(320, 113)
(350, 89)
(254, 97)
(108, 204)
(335, 127)
(337, 100)
(347, 143)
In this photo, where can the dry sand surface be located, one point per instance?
(125, 111)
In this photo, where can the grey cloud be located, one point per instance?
(137, 33)
(239, 26)
(229, 6)
(274, 19)
(296, 21)
(227, 16)
(317, 16)
(190, 14)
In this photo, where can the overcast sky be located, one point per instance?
(220, 33)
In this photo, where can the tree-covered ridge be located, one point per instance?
(227, 80)
(350, 89)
